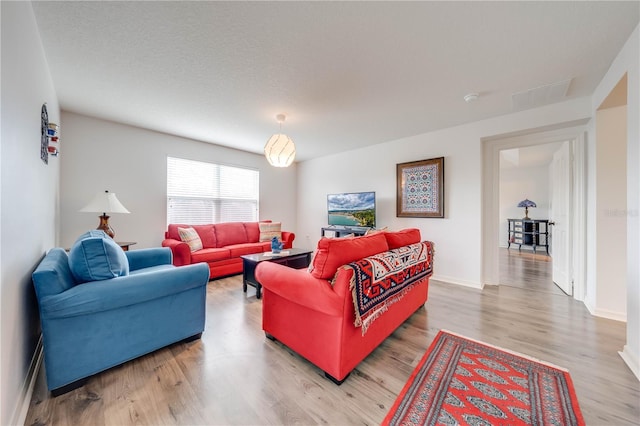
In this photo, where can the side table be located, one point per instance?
(293, 258)
(125, 244)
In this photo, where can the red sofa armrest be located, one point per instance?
(300, 287)
(181, 251)
(287, 239)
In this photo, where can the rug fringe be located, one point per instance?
(521, 355)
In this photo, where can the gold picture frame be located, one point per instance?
(420, 188)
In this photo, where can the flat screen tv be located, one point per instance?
(352, 209)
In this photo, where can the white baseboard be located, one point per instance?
(604, 313)
(451, 280)
(631, 360)
(22, 406)
(589, 306)
(612, 315)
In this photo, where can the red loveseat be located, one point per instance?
(222, 245)
(313, 313)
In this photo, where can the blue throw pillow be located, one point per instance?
(95, 257)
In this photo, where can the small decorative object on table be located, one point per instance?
(526, 203)
(276, 245)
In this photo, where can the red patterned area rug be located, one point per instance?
(460, 381)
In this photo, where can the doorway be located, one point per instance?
(571, 131)
(538, 174)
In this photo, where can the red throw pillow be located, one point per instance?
(402, 238)
(332, 253)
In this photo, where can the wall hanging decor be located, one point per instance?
(48, 136)
(44, 136)
(52, 133)
(420, 188)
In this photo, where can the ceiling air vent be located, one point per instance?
(542, 95)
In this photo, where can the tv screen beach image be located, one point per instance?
(352, 209)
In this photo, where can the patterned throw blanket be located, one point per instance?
(381, 280)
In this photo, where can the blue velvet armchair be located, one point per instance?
(90, 326)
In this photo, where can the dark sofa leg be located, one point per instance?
(192, 338)
(334, 380)
(68, 388)
(268, 336)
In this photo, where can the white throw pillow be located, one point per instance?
(268, 230)
(191, 237)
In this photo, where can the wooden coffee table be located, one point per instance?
(294, 258)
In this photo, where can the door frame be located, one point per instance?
(575, 132)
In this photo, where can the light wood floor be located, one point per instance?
(528, 270)
(234, 375)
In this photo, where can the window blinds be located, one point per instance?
(200, 193)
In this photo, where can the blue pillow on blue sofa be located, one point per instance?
(95, 257)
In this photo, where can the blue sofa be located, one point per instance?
(88, 327)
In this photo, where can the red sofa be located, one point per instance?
(223, 244)
(312, 312)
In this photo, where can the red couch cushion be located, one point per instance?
(253, 231)
(332, 253)
(207, 235)
(230, 233)
(238, 250)
(402, 238)
(210, 255)
(172, 231)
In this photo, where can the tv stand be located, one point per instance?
(341, 231)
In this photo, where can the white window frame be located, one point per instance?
(201, 192)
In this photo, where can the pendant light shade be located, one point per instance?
(280, 150)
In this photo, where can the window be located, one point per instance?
(200, 193)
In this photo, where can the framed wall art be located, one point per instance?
(420, 188)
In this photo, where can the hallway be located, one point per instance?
(524, 269)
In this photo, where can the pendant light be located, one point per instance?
(280, 150)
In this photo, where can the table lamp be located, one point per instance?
(526, 204)
(105, 202)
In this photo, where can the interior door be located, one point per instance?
(560, 217)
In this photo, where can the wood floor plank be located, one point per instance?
(234, 375)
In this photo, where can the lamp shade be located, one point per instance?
(526, 203)
(280, 150)
(104, 202)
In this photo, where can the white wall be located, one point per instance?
(627, 61)
(29, 196)
(610, 213)
(519, 183)
(99, 155)
(458, 236)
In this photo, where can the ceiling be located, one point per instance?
(347, 74)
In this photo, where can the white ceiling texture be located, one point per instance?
(347, 74)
